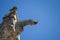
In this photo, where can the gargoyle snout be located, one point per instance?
(35, 22)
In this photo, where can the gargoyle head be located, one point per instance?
(12, 16)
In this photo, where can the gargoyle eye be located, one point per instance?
(13, 17)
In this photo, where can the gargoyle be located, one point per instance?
(12, 27)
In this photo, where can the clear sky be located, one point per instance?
(46, 12)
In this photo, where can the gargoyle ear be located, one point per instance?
(14, 8)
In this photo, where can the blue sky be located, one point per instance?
(46, 12)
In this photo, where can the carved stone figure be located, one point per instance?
(11, 27)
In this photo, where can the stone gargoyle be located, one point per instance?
(11, 27)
